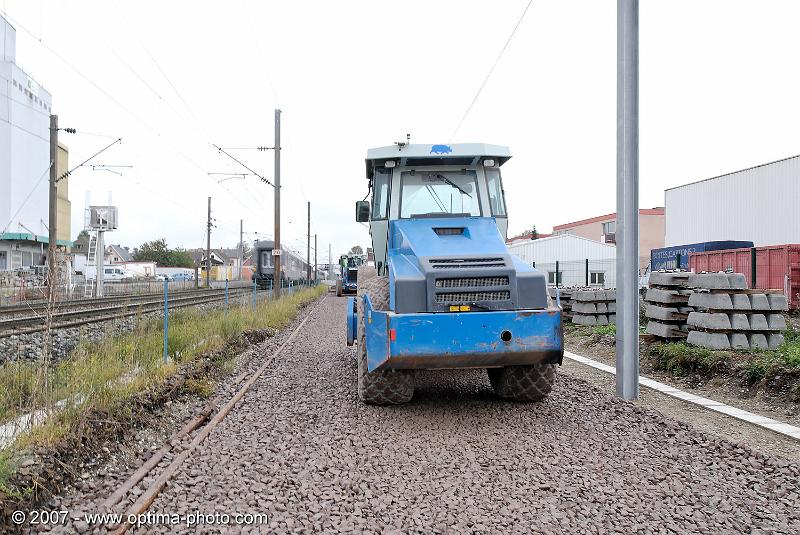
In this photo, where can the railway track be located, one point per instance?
(31, 318)
(37, 306)
(211, 416)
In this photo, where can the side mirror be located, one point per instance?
(362, 211)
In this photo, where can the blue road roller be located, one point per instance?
(444, 291)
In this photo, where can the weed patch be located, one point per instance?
(784, 361)
(605, 330)
(108, 387)
(679, 358)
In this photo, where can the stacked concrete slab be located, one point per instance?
(594, 307)
(729, 316)
(565, 295)
(667, 304)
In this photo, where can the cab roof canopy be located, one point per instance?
(417, 155)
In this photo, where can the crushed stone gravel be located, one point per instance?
(301, 448)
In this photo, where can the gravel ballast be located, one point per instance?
(302, 448)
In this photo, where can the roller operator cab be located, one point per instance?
(347, 282)
(445, 292)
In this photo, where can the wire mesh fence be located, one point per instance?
(61, 361)
(18, 287)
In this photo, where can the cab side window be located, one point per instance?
(380, 194)
(495, 186)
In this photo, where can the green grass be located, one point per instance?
(7, 468)
(680, 358)
(607, 330)
(785, 359)
(103, 374)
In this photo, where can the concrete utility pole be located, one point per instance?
(53, 206)
(330, 263)
(208, 246)
(315, 257)
(277, 259)
(308, 244)
(241, 247)
(628, 199)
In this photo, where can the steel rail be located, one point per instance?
(42, 305)
(147, 498)
(107, 313)
(124, 303)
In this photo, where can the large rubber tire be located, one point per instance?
(388, 387)
(523, 383)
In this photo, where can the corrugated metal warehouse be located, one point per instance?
(760, 204)
(573, 255)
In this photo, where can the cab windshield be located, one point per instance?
(439, 193)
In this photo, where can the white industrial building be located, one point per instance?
(24, 160)
(760, 204)
(579, 261)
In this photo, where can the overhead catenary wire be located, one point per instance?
(164, 74)
(263, 62)
(256, 192)
(119, 104)
(491, 70)
(223, 151)
(197, 126)
(95, 155)
(151, 88)
(257, 212)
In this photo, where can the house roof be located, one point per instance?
(199, 256)
(528, 237)
(565, 237)
(659, 210)
(231, 254)
(122, 252)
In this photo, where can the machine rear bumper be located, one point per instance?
(462, 339)
(350, 288)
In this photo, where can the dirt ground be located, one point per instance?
(726, 389)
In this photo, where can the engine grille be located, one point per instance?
(471, 297)
(455, 263)
(471, 282)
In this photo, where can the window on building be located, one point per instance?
(610, 227)
(597, 278)
(551, 277)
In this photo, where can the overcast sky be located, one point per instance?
(719, 92)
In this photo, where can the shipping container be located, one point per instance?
(777, 267)
(665, 257)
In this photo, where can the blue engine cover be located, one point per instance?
(435, 263)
